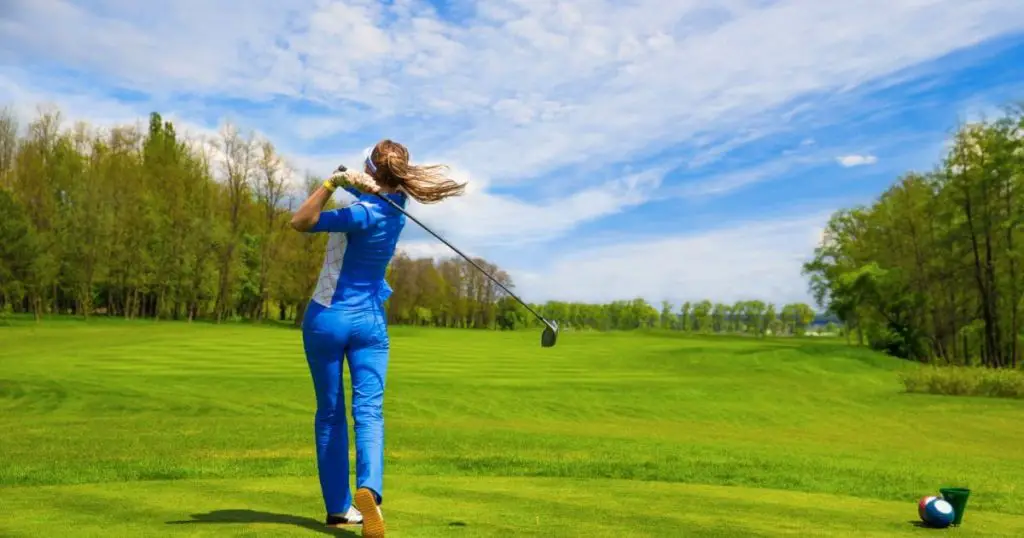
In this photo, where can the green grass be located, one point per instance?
(112, 428)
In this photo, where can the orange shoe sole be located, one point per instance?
(373, 523)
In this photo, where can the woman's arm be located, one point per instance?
(308, 214)
(310, 217)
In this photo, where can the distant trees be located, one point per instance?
(143, 222)
(932, 270)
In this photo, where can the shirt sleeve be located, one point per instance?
(358, 216)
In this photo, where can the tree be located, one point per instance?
(667, 318)
(8, 145)
(238, 156)
(771, 319)
(685, 317)
(931, 270)
(702, 316)
(270, 191)
(754, 317)
(19, 250)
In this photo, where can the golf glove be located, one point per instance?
(352, 178)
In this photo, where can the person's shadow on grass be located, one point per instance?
(254, 516)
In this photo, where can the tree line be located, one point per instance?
(932, 270)
(138, 221)
(451, 293)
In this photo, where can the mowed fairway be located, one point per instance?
(112, 428)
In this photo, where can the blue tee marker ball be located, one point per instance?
(938, 513)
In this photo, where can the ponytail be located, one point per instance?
(427, 184)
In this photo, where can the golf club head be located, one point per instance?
(550, 334)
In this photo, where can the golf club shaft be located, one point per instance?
(459, 252)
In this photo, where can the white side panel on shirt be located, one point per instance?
(327, 284)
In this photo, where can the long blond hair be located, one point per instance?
(388, 163)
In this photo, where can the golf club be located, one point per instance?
(550, 334)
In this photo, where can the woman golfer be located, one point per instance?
(345, 318)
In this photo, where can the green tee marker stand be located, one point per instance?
(957, 497)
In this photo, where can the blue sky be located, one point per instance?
(668, 150)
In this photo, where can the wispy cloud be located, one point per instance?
(509, 98)
(744, 260)
(849, 161)
(483, 219)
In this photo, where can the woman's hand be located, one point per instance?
(354, 178)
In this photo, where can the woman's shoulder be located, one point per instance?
(377, 202)
(383, 216)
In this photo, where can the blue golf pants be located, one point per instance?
(359, 336)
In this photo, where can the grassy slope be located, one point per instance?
(122, 427)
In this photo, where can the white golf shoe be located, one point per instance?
(351, 517)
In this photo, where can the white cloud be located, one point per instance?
(520, 87)
(483, 219)
(856, 160)
(750, 260)
(431, 249)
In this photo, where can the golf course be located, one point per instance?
(142, 428)
(514, 268)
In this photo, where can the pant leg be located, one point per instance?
(324, 341)
(368, 363)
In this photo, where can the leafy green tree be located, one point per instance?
(667, 318)
(771, 319)
(931, 270)
(19, 250)
(702, 316)
(686, 317)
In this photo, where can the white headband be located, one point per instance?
(369, 162)
(368, 152)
